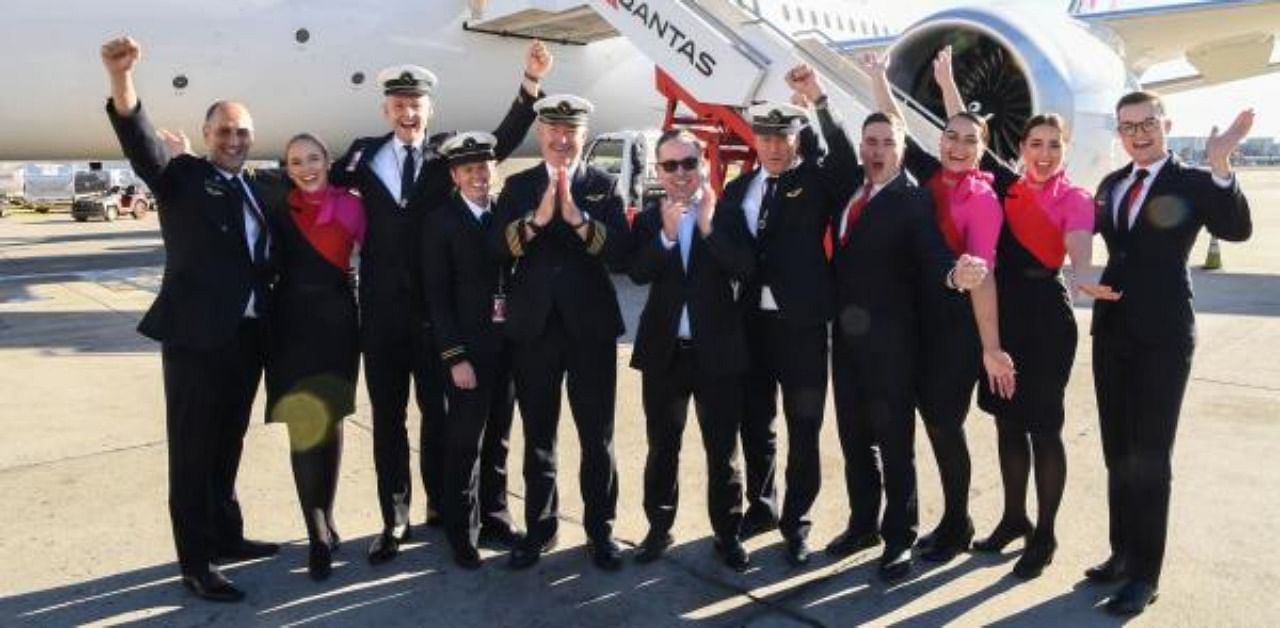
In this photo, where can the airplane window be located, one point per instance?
(826, 19)
(180, 81)
(302, 35)
(813, 17)
(357, 78)
(865, 30)
(840, 22)
(800, 15)
(786, 13)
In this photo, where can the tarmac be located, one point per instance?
(85, 537)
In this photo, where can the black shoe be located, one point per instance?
(733, 554)
(1005, 533)
(653, 546)
(503, 538)
(605, 553)
(386, 545)
(320, 561)
(1112, 569)
(213, 586)
(466, 556)
(245, 550)
(1132, 598)
(1037, 556)
(851, 542)
(526, 553)
(948, 542)
(895, 563)
(798, 552)
(756, 524)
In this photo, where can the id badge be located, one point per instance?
(499, 314)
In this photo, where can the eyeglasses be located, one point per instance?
(1131, 128)
(688, 164)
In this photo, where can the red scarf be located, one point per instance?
(943, 185)
(1031, 225)
(327, 236)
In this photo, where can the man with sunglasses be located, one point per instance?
(691, 343)
(207, 316)
(1149, 213)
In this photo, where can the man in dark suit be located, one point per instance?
(466, 291)
(1149, 214)
(788, 202)
(207, 316)
(691, 343)
(401, 177)
(561, 223)
(887, 250)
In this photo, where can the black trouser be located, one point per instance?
(208, 397)
(875, 411)
(394, 354)
(476, 459)
(589, 368)
(795, 359)
(1139, 388)
(718, 404)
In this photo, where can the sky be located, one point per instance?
(1193, 112)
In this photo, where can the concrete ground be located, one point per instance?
(84, 534)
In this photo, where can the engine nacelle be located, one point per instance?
(1012, 64)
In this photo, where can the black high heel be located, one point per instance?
(1037, 556)
(320, 561)
(1004, 534)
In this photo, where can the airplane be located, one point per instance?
(310, 65)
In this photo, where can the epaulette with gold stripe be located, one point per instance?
(598, 233)
(514, 241)
(452, 352)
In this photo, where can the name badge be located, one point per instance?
(499, 314)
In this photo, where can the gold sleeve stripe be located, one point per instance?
(598, 233)
(455, 351)
(513, 238)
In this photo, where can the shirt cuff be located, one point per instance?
(666, 244)
(1224, 182)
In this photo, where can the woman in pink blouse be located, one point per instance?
(961, 335)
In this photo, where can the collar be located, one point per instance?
(1152, 169)
(397, 148)
(226, 174)
(876, 187)
(476, 210)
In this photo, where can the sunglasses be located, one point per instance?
(689, 164)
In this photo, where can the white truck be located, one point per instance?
(629, 155)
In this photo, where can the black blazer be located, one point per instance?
(1150, 267)
(557, 269)
(894, 254)
(391, 256)
(790, 255)
(717, 264)
(462, 276)
(208, 271)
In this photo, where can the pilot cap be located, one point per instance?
(777, 118)
(469, 147)
(564, 109)
(406, 80)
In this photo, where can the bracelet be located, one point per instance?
(530, 77)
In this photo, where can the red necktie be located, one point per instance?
(854, 212)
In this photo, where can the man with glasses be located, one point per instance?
(401, 177)
(691, 343)
(1149, 214)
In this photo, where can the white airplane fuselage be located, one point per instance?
(195, 53)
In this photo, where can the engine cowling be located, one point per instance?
(1011, 64)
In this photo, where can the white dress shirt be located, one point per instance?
(388, 164)
(751, 202)
(1153, 169)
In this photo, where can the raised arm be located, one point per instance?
(952, 100)
(839, 168)
(1224, 208)
(513, 128)
(145, 152)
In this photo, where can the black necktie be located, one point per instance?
(486, 219)
(406, 175)
(767, 204)
(1127, 204)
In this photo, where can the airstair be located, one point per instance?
(713, 58)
